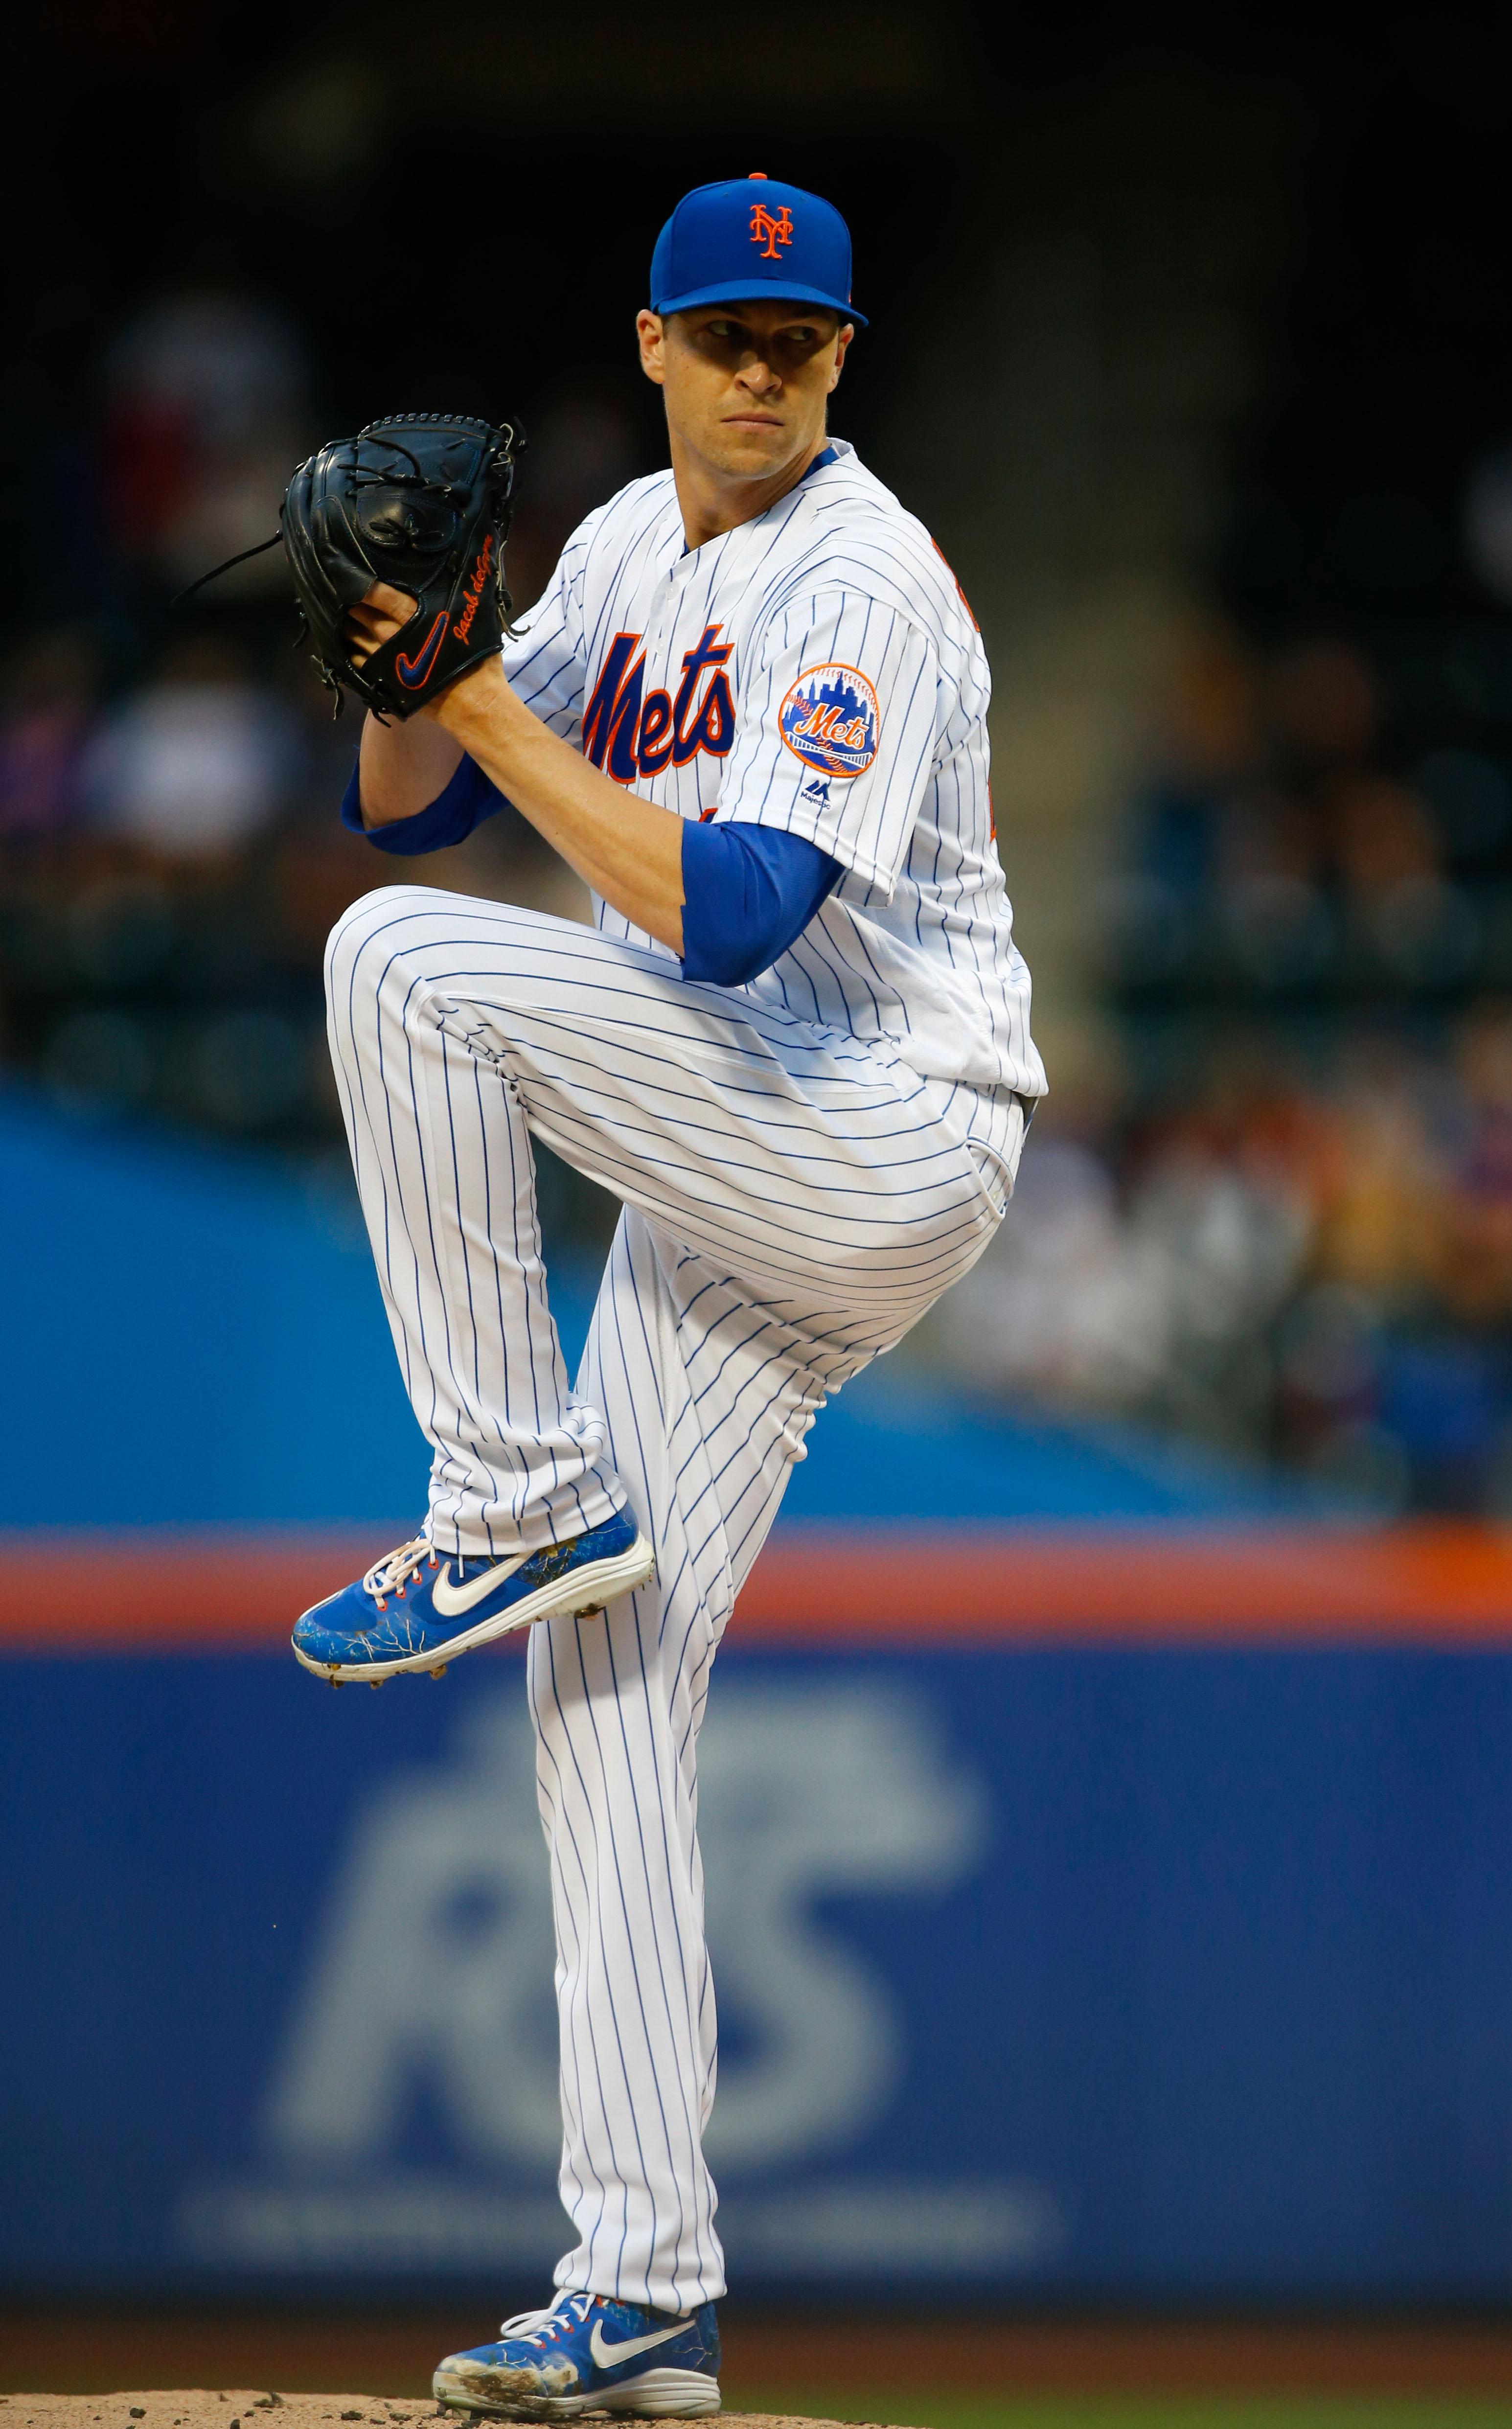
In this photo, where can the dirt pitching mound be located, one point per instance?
(199, 2407)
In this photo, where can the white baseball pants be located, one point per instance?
(794, 1200)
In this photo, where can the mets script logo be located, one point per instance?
(770, 232)
(831, 721)
(630, 731)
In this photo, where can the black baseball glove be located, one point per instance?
(420, 501)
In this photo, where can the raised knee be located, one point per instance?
(364, 925)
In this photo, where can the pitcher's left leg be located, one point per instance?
(707, 1397)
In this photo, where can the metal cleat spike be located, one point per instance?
(590, 1610)
(440, 1671)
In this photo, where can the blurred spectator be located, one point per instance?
(586, 451)
(49, 696)
(1324, 704)
(1338, 878)
(1378, 836)
(1379, 1210)
(1068, 1302)
(1487, 522)
(1318, 1266)
(204, 420)
(1157, 1306)
(1475, 1267)
(1210, 747)
(1272, 848)
(1469, 801)
(198, 762)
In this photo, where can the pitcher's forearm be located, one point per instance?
(628, 850)
(403, 768)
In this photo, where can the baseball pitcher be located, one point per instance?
(751, 712)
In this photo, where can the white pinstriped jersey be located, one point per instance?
(816, 670)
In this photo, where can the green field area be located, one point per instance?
(1141, 2411)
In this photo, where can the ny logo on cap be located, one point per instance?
(768, 231)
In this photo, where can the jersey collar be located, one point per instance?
(826, 456)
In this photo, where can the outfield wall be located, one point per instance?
(1122, 1914)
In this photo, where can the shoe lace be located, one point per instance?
(539, 2327)
(393, 1573)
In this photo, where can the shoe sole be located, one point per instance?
(579, 1592)
(656, 2395)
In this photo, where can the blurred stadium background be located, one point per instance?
(1110, 1787)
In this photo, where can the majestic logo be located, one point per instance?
(768, 231)
(473, 592)
(831, 720)
(413, 671)
(629, 736)
(452, 1601)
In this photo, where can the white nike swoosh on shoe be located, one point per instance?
(608, 2357)
(450, 1600)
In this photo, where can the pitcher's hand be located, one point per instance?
(383, 612)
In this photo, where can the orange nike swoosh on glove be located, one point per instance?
(413, 671)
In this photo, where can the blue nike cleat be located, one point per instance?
(587, 2354)
(418, 1609)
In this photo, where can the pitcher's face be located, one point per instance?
(746, 385)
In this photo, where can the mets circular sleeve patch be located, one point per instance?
(831, 720)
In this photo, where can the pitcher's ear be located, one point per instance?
(650, 332)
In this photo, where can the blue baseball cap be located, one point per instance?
(751, 236)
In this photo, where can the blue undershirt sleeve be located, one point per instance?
(466, 801)
(750, 891)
